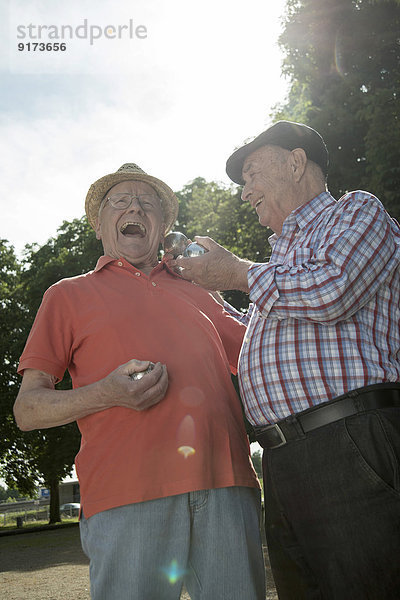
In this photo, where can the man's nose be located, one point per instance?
(246, 193)
(135, 205)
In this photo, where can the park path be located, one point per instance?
(50, 565)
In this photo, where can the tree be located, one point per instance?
(43, 454)
(13, 325)
(9, 495)
(343, 61)
(209, 208)
(257, 463)
(72, 252)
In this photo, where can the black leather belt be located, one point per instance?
(381, 395)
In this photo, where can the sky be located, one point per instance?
(173, 86)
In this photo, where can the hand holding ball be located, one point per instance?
(140, 374)
(177, 244)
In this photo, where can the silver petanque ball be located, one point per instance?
(175, 243)
(141, 374)
(194, 249)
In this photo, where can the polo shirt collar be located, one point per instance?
(103, 261)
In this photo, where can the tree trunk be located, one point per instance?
(54, 502)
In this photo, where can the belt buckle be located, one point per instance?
(281, 435)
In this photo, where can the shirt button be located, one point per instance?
(120, 264)
(153, 283)
(137, 274)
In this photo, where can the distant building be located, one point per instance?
(68, 491)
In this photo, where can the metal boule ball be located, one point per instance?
(194, 249)
(175, 243)
(141, 374)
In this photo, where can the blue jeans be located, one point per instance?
(209, 539)
(333, 510)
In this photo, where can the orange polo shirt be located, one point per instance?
(194, 438)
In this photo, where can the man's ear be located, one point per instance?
(298, 162)
(98, 229)
(162, 234)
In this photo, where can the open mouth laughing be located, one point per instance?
(132, 229)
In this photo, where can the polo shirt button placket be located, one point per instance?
(152, 285)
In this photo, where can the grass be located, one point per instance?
(35, 524)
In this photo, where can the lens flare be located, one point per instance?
(186, 437)
(186, 451)
(186, 430)
(173, 572)
(342, 52)
(192, 396)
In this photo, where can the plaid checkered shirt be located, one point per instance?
(325, 312)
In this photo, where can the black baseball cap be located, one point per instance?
(285, 134)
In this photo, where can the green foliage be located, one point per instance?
(256, 458)
(45, 455)
(213, 210)
(74, 251)
(343, 60)
(208, 208)
(13, 325)
(9, 495)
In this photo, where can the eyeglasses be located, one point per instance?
(123, 201)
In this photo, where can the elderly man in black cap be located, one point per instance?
(319, 369)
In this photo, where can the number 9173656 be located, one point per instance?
(42, 47)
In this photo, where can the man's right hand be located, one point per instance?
(39, 405)
(121, 390)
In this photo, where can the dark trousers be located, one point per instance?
(332, 509)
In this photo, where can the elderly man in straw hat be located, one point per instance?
(167, 489)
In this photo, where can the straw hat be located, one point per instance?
(131, 172)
